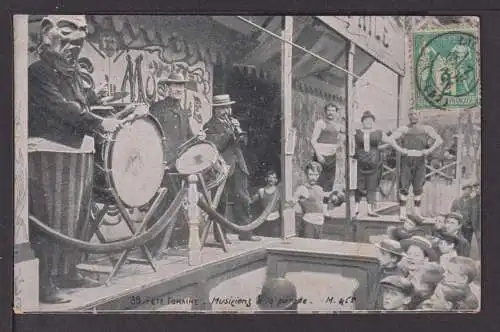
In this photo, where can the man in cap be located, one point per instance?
(397, 293)
(453, 225)
(448, 244)
(390, 254)
(278, 294)
(464, 206)
(225, 132)
(61, 147)
(412, 141)
(174, 120)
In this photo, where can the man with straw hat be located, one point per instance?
(225, 132)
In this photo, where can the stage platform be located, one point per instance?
(137, 287)
(173, 273)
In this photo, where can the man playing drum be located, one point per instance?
(225, 132)
(61, 146)
(412, 141)
(174, 120)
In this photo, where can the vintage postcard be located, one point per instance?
(247, 164)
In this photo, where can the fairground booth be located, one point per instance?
(281, 71)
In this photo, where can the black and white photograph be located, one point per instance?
(247, 164)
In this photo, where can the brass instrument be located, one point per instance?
(233, 124)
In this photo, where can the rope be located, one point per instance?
(205, 206)
(118, 246)
(316, 56)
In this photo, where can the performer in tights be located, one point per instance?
(412, 141)
(369, 142)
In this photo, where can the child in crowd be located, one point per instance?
(390, 253)
(460, 272)
(311, 196)
(447, 244)
(397, 293)
(419, 251)
(426, 283)
(453, 225)
(445, 298)
(272, 226)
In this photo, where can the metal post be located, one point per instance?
(194, 215)
(288, 211)
(348, 128)
(398, 155)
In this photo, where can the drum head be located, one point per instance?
(137, 161)
(197, 158)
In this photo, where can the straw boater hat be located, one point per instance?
(222, 100)
(173, 78)
(367, 114)
(423, 244)
(389, 245)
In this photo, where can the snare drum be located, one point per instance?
(203, 158)
(130, 162)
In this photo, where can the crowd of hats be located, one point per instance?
(428, 268)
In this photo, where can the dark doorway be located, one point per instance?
(258, 110)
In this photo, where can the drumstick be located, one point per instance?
(190, 140)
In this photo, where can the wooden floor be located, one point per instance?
(133, 278)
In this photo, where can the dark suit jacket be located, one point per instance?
(58, 106)
(175, 124)
(222, 136)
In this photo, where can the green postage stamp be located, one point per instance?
(445, 69)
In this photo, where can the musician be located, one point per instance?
(225, 132)
(412, 141)
(61, 146)
(326, 139)
(174, 119)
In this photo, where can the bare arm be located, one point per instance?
(257, 196)
(318, 127)
(435, 137)
(385, 141)
(392, 140)
(300, 193)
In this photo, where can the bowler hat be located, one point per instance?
(423, 244)
(277, 293)
(390, 245)
(222, 100)
(173, 78)
(400, 283)
(367, 114)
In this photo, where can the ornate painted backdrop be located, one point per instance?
(131, 53)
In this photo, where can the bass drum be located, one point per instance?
(130, 163)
